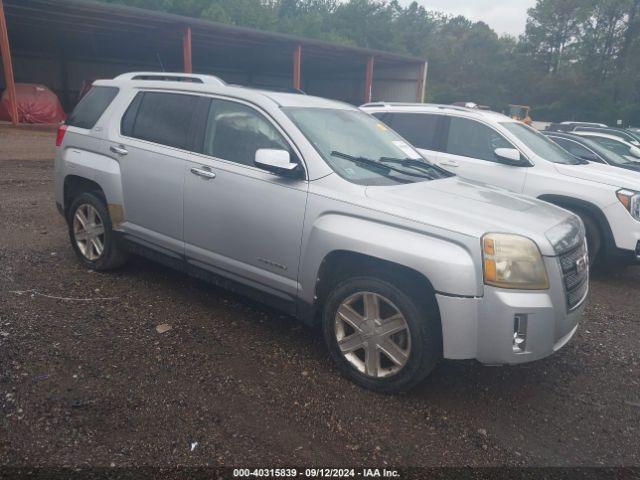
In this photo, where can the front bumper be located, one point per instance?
(483, 327)
(626, 235)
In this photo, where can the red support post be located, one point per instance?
(297, 68)
(186, 50)
(422, 81)
(8, 67)
(368, 80)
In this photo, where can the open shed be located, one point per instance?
(66, 44)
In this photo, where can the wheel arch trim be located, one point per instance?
(594, 211)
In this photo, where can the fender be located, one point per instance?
(449, 266)
(597, 214)
(98, 168)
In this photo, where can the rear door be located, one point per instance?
(156, 138)
(423, 130)
(469, 152)
(240, 220)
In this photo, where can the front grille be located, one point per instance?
(576, 279)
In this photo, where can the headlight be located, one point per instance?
(631, 201)
(512, 261)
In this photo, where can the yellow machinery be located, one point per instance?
(520, 112)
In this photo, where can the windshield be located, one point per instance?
(540, 144)
(361, 148)
(634, 134)
(610, 156)
(617, 146)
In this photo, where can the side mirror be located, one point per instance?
(635, 151)
(508, 156)
(277, 161)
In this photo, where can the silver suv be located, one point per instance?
(319, 209)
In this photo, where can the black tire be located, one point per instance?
(112, 255)
(423, 325)
(594, 238)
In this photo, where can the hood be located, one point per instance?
(601, 173)
(471, 208)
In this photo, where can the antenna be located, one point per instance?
(160, 61)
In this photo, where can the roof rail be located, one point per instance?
(172, 77)
(392, 104)
(415, 104)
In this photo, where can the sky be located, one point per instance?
(504, 16)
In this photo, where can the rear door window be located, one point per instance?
(91, 107)
(164, 118)
(420, 129)
(468, 138)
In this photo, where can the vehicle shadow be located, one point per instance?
(459, 378)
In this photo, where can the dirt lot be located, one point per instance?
(91, 382)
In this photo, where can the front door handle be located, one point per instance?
(206, 174)
(450, 163)
(119, 150)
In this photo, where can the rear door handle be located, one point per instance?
(206, 174)
(119, 150)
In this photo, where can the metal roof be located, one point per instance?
(76, 17)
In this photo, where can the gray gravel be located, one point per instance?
(93, 383)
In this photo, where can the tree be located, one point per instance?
(578, 59)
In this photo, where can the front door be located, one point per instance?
(469, 152)
(239, 220)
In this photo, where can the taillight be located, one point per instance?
(61, 131)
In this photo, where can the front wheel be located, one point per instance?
(594, 238)
(91, 233)
(379, 336)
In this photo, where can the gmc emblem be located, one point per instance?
(582, 264)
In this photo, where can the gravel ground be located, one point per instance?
(90, 382)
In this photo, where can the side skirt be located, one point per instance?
(178, 262)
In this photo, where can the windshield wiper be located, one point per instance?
(420, 165)
(378, 165)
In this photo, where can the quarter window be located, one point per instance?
(163, 118)
(235, 132)
(469, 138)
(91, 107)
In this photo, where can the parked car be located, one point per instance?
(614, 132)
(587, 149)
(569, 126)
(492, 148)
(613, 143)
(319, 209)
(634, 132)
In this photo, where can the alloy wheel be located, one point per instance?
(372, 334)
(88, 232)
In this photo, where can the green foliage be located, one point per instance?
(578, 59)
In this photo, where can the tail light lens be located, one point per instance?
(61, 131)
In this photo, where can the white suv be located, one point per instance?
(492, 148)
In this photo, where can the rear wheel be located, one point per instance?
(91, 233)
(379, 336)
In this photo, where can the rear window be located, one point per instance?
(91, 107)
(163, 118)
